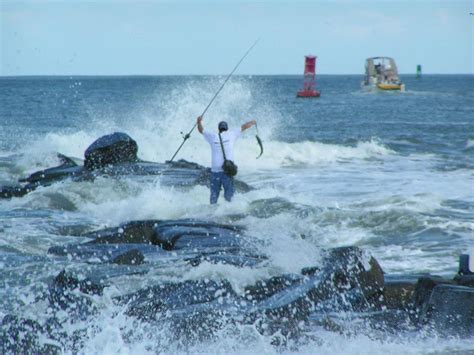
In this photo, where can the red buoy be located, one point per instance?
(309, 81)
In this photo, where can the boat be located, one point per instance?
(382, 73)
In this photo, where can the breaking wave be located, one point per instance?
(157, 124)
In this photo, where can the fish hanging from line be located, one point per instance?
(259, 141)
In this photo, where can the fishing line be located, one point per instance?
(188, 135)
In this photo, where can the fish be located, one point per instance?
(259, 141)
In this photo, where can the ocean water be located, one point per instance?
(390, 172)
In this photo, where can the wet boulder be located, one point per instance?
(170, 234)
(277, 304)
(236, 257)
(26, 336)
(150, 302)
(450, 310)
(104, 253)
(422, 293)
(71, 293)
(264, 289)
(446, 305)
(133, 242)
(15, 191)
(67, 168)
(115, 155)
(131, 257)
(347, 280)
(398, 293)
(464, 280)
(111, 149)
(351, 267)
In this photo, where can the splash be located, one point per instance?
(159, 121)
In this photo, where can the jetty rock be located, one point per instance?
(347, 280)
(115, 155)
(345, 291)
(190, 240)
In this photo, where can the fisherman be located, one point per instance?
(218, 177)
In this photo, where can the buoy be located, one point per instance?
(309, 80)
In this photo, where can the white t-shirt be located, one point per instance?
(228, 140)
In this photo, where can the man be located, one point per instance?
(218, 178)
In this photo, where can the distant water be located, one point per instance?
(390, 172)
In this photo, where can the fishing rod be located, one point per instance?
(188, 135)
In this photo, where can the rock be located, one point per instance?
(398, 294)
(153, 302)
(15, 191)
(266, 288)
(136, 232)
(131, 257)
(423, 289)
(71, 282)
(102, 253)
(450, 310)
(68, 293)
(374, 324)
(25, 336)
(346, 265)
(170, 235)
(67, 168)
(343, 282)
(111, 149)
(465, 276)
(212, 242)
(464, 280)
(310, 270)
(465, 267)
(348, 282)
(277, 304)
(115, 155)
(189, 234)
(237, 259)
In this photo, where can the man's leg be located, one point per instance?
(228, 183)
(216, 183)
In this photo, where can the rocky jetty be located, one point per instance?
(115, 155)
(346, 283)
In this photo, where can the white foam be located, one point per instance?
(156, 125)
(238, 277)
(113, 333)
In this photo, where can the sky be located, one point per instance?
(156, 37)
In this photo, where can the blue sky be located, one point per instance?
(106, 37)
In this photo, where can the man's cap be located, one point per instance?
(223, 126)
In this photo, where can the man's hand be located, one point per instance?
(248, 125)
(199, 124)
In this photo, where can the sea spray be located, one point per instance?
(335, 172)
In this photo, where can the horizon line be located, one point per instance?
(156, 75)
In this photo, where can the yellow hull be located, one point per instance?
(390, 86)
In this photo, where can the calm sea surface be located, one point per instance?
(390, 172)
